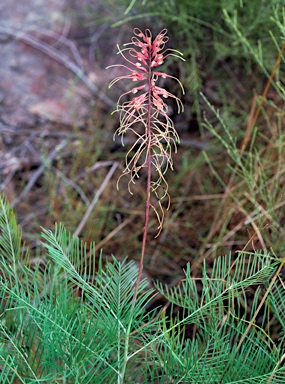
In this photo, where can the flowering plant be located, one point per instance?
(152, 147)
(146, 115)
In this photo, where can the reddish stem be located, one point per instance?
(148, 183)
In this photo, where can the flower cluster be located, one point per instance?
(145, 108)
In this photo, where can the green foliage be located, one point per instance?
(212, 25)
(69, 318)
(245, 33)
(256, 173)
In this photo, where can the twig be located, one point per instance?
(113, 233)
(7, 180)
(253, 122)
(266, 214)
(61, 39)
(276, 367)
(95, 199)
(72, 184)
(260, 212)
(260, 305)
(38, 173)
(97, 165)
(59, 57)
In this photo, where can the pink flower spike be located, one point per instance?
(145, 112)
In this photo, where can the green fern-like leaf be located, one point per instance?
(72, 318)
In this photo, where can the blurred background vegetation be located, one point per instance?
(223, 197)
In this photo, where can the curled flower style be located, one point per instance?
(145, 113)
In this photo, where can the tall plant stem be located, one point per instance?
(148, 189)
(148, 109)
(145, 231)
